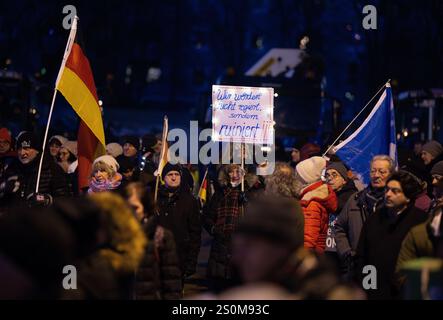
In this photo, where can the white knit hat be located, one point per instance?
(108, 160)
(310, 170)
(114, 149)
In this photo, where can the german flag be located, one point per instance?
(202, 193)
(76, 83)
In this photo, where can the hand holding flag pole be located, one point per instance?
(163, 156)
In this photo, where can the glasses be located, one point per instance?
(381, 172)
(331, 176)
(437, 177)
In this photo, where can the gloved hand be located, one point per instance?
(39, 200)
(11, 185)
(242, 198)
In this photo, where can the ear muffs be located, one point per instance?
(323, 175)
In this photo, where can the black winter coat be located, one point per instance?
(20, 181)
(159, 275)
(379, 245)
(179, 213)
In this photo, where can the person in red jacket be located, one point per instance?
(317, 199)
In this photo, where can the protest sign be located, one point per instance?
(243, 114)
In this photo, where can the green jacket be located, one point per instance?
(417, 244)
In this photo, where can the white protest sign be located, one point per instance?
(243, 114)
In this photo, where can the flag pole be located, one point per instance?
(243, 168)
(162, 155)
(68, 48)
(355, 118)
(156, 188)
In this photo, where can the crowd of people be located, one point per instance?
(307, 231)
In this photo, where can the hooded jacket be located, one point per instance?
(318, 200)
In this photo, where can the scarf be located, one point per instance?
(107, 185)
(228, 211)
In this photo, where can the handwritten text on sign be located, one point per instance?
(243, 114)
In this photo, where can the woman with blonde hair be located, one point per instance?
(104, 175)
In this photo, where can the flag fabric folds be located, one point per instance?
(203, 192)
(164, 158)
(76, 83)
(375, 136)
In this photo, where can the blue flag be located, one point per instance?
(374, 137)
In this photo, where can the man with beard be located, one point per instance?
(20, 179)
(383, 233)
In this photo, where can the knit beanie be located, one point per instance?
(310, 170)
(171, 167)
(135, 141)
(437, 169)
(433, 147)
(340, 168)
(114, 149)
(28, 139)
(108, 160)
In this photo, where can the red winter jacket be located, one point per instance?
(318, 201)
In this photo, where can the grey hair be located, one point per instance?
(385, 158)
